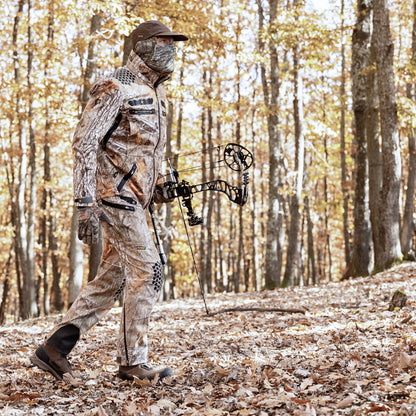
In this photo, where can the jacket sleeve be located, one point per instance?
(98, 117)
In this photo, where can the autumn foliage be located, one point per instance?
(273, 76)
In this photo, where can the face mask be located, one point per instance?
(157, 57)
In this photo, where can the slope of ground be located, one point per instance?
(347, 355)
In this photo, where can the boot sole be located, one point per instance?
(167, 372)
(44, 366)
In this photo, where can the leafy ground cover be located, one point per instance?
(347, 355)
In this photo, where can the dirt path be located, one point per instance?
(348, 355)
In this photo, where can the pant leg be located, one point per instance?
(98, 296)
(130, 263)
(143, 275)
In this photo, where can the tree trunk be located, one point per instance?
(76, 247)
(6, 287)
(240, 257)
(30, 290)
(271, 100)
(390, 192)
(328, 243)
(211, 198)
(344, 174)
(407, 223)
(17, 191)
(375, 165)
(171, 291)
(293, 240)
(256, 280)
(311, 250)
(46, 192)
(203, 230)
(362, 256)
(75, 261)
(56, 292)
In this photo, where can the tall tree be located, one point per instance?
(296, 197)
(389, 209)
(17, 181)
(374, 155)
(30, 290)
(362, 256)
(76, 247)
(408, 223)
(344, 174)
(271, 88)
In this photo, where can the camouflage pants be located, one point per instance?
(129, 265)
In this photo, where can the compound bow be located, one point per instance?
(237, 158)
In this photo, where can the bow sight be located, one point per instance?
(237, 158)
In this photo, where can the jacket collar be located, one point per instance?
(136, 66)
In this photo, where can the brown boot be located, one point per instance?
(143, 371)
(49, 359)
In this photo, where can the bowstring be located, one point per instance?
(191, 247)
(175, 157)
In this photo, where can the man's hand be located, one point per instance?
(89, 223)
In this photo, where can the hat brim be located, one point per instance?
(175, 36)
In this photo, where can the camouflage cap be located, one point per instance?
(147, 30)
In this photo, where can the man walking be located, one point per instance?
(118, 149)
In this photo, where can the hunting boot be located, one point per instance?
(51, 356)
(143, 371)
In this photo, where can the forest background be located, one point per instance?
(322, 97)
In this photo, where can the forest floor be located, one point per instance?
(347, 355)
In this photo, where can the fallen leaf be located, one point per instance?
(347, 402)
(222, 371)
(166, 404)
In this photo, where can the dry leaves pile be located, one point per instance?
(348, 355)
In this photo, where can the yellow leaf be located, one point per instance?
(222, 371)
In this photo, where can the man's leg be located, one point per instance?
(143, 284)
(94, 301)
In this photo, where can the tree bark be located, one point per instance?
(408, 225)
(211, 198)
(76, 247)
(375, 165)
(172, 154)
(6, 287)
(344, 173)
(17, 187)
(390, 192)
(30, 289)
(75, 261)
(47, 191)
(203, 230)
(293, 239)
(240, 257)
(311, 250)
(256, 279)
(362, 256)
(271, 100)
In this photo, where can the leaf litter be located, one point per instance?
(347, 355)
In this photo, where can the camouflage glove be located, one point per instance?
(162, 193)
(89, 223)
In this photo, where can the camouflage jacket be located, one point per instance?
(120, 140)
